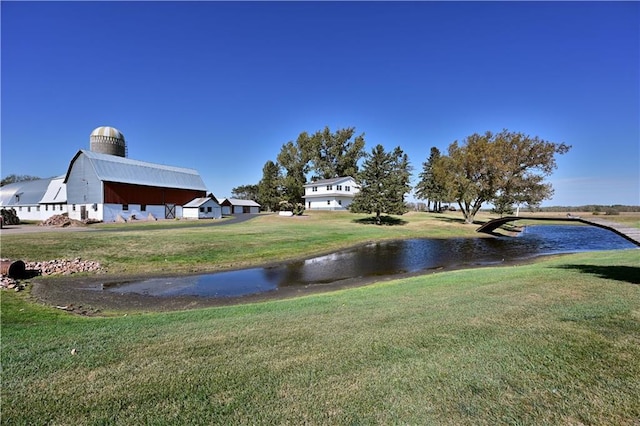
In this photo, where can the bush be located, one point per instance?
(611, 212)
(297, 208)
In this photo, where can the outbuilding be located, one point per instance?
(202, 208)
(236, 206)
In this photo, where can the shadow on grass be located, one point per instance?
(384, 220)
(628, 274)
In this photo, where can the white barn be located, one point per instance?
(330, 194)
(202, 208)
(35, 199)
(102, 184)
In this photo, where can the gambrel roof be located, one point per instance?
(111, 168)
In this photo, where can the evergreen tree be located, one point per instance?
(429, 188)
(269, 187)
(384, 181)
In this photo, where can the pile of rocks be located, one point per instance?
(60, 220)
(51, 267)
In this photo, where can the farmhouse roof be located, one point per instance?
(329, 181)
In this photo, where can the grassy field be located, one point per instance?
(178, 246)
(554, 342)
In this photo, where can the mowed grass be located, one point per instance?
(555, 342)
(179, 247)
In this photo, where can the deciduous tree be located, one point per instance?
(336, 154)
(506, 167)
(294, 159)
(384, 181)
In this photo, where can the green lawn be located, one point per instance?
(553, 342)
(178, 247)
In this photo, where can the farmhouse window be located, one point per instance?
(347, 188)
(329, 187)
(328, 202)
(314, 189)
(339, 187)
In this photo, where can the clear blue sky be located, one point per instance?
(220, 86)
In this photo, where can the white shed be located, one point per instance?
(202, 208)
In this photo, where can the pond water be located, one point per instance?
(385, 259)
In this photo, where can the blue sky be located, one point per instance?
(221, 86)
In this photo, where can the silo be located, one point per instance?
(108, 140)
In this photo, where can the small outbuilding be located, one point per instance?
(202, 208)
(236, 206)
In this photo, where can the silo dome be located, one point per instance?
(108, 140)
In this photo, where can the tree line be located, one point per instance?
(507, 169)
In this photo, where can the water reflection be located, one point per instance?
(386, 259)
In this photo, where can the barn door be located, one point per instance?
(169, 211)
(83, 213)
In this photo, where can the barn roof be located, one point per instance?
(56, 192)
(111, 168)
(24, 193)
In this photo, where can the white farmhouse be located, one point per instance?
(330, 194)
(202, 208)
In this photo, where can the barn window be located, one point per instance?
(46, 207)
(73, 207)
(143, 207)
(201, 209)
(340, 202)
(29, 209)
(125, 207)
(328, 202)
(209, 209)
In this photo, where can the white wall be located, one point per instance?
(328, 203)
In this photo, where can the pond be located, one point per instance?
(384, 259)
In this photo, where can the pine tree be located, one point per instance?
(384, 181)
(269, 187)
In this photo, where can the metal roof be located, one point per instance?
(197, 202)
(25, 193)
(330, 181)
(238, 202)
(111, 168)
(56, 192)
